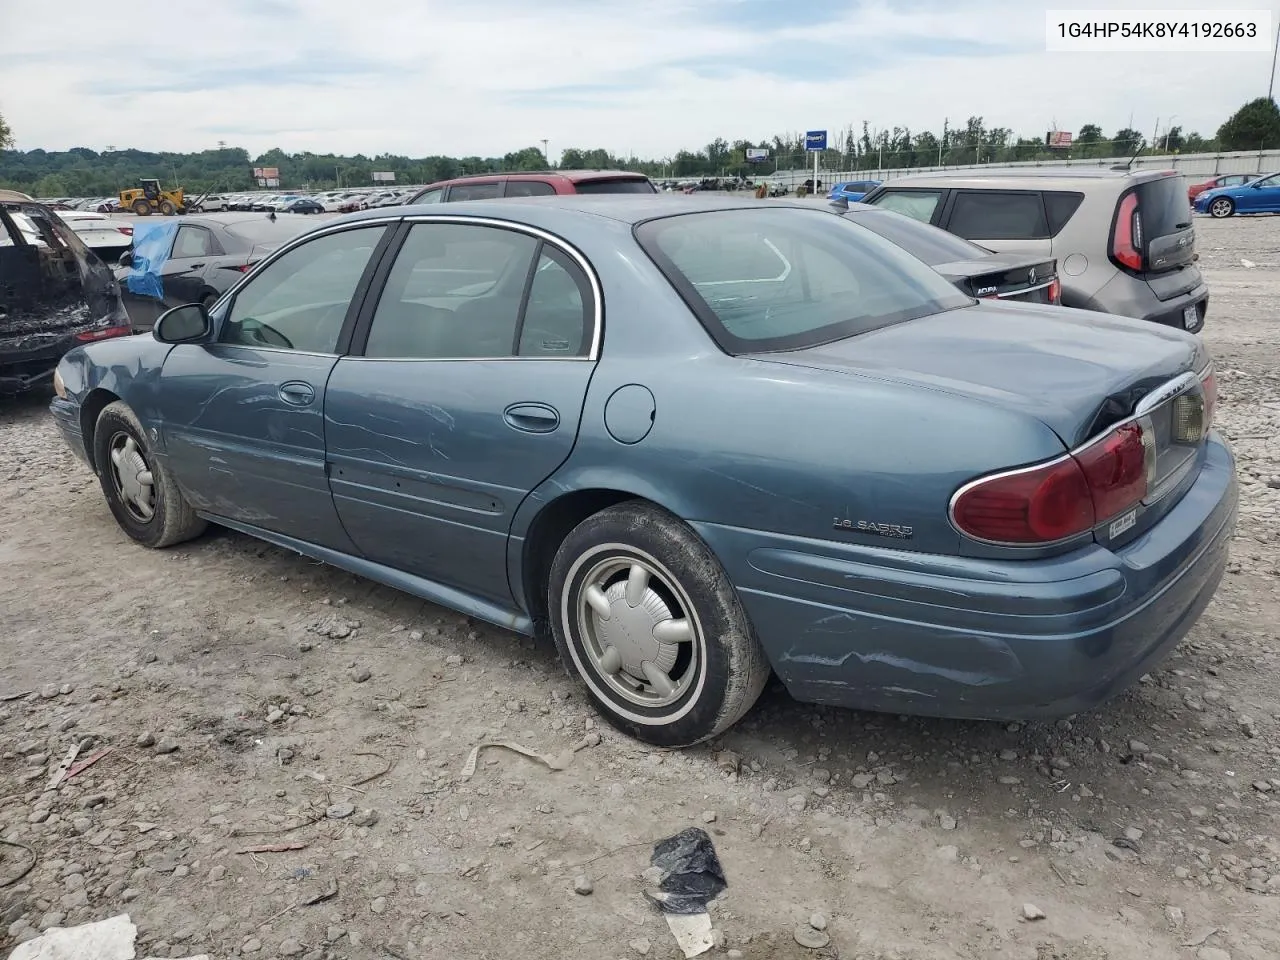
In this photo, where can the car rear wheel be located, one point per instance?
(1222, 207)
(645, 616)
(139, 490)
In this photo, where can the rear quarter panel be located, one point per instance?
(743, 443)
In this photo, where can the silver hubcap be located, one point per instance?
(132, 476)
(1221, 208)
(638, 631)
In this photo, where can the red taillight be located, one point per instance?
(1039, 505)
(88, 336)
(241, 267)
(1126, 245)
(127, 231)
(1063, 498)
(1118, 469)
(1055, 290)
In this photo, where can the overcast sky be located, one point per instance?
(484, 77)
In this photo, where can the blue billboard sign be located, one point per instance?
(815, 140)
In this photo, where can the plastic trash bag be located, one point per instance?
(691, 872)
(152, 243)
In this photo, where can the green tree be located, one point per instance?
(6, 135)
(1254, 126)
(1125, 142)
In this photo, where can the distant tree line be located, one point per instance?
(84, 172)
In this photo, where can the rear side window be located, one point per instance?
(529, 188)
(474, 191)
(1060, 206)
(1164, 208)
(993, 215)
(916, 204)
(627, 185)
(789, 278)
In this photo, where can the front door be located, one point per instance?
(181, 275)
(243, 417)
(468, 395)
(1262, 195)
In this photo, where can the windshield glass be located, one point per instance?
(788, 278)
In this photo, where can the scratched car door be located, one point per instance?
(467, 396)
(243, 417)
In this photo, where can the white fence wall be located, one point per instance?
(1193, 165)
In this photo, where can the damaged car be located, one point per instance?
(696, 443)
(55, 294)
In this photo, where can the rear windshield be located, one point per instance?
(787, 278)
(928, 243)
(1164, 207)
(627, 185)
(917, 204)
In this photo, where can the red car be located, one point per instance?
(1224, 180)
(487, 186)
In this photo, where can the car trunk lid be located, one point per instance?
(1166, 237)
(1076, 371)
(1005, 277)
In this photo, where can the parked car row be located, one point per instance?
(794, 447)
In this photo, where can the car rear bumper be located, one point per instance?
(27, 363)
(880, 629)
(1129, 296)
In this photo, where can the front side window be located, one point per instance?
(300, 300)
(454, 292)
(993, 215)
(430, 196)
(917, 204)
(475, 191)
(785, 279)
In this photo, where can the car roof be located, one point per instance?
(1041, 176)
(628, 208)
(13, 196)
(573, 176)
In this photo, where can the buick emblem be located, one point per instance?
(1031, 277)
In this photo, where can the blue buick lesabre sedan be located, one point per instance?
(696, 440)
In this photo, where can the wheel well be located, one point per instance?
(547, 532)
(93, 405)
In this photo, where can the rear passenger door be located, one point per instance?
(1007, 221)
(464, 393)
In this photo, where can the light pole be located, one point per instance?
(545, 155)
(1168, 128)
(1271, 85)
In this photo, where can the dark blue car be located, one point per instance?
(852, 191)
(695, 442)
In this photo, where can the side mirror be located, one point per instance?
(126, 259)
(188, 323)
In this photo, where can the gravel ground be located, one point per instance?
(253, 698)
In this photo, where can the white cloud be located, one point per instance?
(483, 79)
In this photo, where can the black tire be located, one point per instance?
(172, 520)
(141, 208)
(1221, 207)
(167, 208)
(725, 669)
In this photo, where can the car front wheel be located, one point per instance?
(645, 616)
(139, 490)
(1222, 207)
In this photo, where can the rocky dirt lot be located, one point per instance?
(252, 698)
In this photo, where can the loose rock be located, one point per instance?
(1031, 912)
(340, 811)
(583, 886)
(360, 674)
(807, 936)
